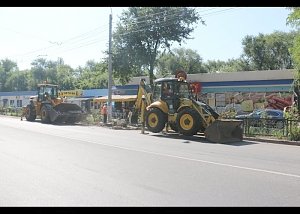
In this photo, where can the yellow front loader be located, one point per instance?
(51, 108)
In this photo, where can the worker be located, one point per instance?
(25, 109)
(167, 90)
(129, 116)
(104, 113)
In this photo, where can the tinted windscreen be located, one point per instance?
(183, 90)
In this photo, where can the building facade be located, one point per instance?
(243, 91)
(246, 91)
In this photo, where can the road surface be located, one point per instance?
(76, 165)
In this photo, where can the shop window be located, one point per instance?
(19, 103)
(11, 103)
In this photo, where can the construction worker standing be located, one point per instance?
(104, 113)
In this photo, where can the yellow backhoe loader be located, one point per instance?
(170, 103)
(51, 108)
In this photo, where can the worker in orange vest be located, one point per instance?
(104, 113)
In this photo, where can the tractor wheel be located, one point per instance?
(155, 120)
(45, 118)
(30, 113)
(188, 121)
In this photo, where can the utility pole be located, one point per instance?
(109, 106)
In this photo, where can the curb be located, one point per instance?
(267, 140)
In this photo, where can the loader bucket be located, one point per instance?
(224, 131)
(67, 112)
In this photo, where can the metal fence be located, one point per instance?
(269, 127)
(251, 127)
(11, 111)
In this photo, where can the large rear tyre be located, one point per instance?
(155, 120)
(45, 118)
(30, 113)
(188, 122)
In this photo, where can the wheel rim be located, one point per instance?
(279, 125)
(186, 122)
(152, 120)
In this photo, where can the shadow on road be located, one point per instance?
(198, 139)
(55, 124)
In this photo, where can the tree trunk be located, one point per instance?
(152, 61)
(151, 76)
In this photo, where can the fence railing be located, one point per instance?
(11, 111)
(269, 127)
(251, 126)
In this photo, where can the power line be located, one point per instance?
(217, 12)
(165, 23)
(147, 20)
(145, 27)
(83, 45)
(86, 35)
(86, 39)
(27, 35)
(200, 11)
(71, 40)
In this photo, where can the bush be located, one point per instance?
(294, 134)
(278, 134)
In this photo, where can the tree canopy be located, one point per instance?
(143, 31)
(293, 19)
(180, 58)
(269, 52)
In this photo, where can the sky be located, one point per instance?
(79, 34)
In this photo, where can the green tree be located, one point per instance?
(38, 72)
(94, 75)
(293, 19)
(7, 67)
(2, 78)
(180, 58)
(66, 77)
(213, 66)
(269, 52)
(17, 81)
(142, 31)
(255, 50)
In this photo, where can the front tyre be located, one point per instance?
(45, 118)
(30, 113)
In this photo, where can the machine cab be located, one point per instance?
(170, 90)
(47, 90)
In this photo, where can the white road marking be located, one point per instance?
(190, 159)
(183, 158)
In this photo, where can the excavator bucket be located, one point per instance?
(67, 112)
(224, 131)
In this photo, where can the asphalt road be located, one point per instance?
(75, 165)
